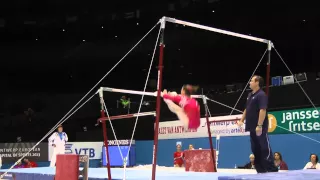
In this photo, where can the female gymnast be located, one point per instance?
(186, 108)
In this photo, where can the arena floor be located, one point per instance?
(167, 173)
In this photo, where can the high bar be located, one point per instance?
(108, 89)
(172, 20)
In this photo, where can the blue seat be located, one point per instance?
(276, 81)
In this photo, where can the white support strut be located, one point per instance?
(100, 92)
(176, 21)
(108, 89)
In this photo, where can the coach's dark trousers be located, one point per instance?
(261, 149)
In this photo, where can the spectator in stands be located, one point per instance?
(178, 157)
(250, 165)
(191, 147)
(29, 164)
(125, 102)
(19, 165)
(278, 162)
(313, 164)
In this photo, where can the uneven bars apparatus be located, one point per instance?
(163, 20)
(160, 66)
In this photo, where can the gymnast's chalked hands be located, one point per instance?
(162, 93)
(166, 92)
(173, 93)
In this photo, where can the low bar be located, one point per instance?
(108, 89)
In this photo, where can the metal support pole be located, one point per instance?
(104, 129)
(268, 68)
(204, 98)
(156, 130)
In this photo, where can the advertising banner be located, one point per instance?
(125, 142)
(280, 122)
(297, 120)
(11, 152)
(221, 125)
(92, 149)
(116, 158)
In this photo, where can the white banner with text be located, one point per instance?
(220, 125)
(92, 149)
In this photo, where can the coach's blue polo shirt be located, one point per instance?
(255, 102)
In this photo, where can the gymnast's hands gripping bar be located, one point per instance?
(108, 89)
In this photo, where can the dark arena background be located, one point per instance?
(56, 56)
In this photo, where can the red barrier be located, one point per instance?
(67, 167)
(199, 160)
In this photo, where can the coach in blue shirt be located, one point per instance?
(256, 119)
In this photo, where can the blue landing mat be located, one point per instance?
(289, 175)
(47, 173)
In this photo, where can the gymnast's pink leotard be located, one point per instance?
(190, 107)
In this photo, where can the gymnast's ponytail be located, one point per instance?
(195, 89)
(190, 89)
